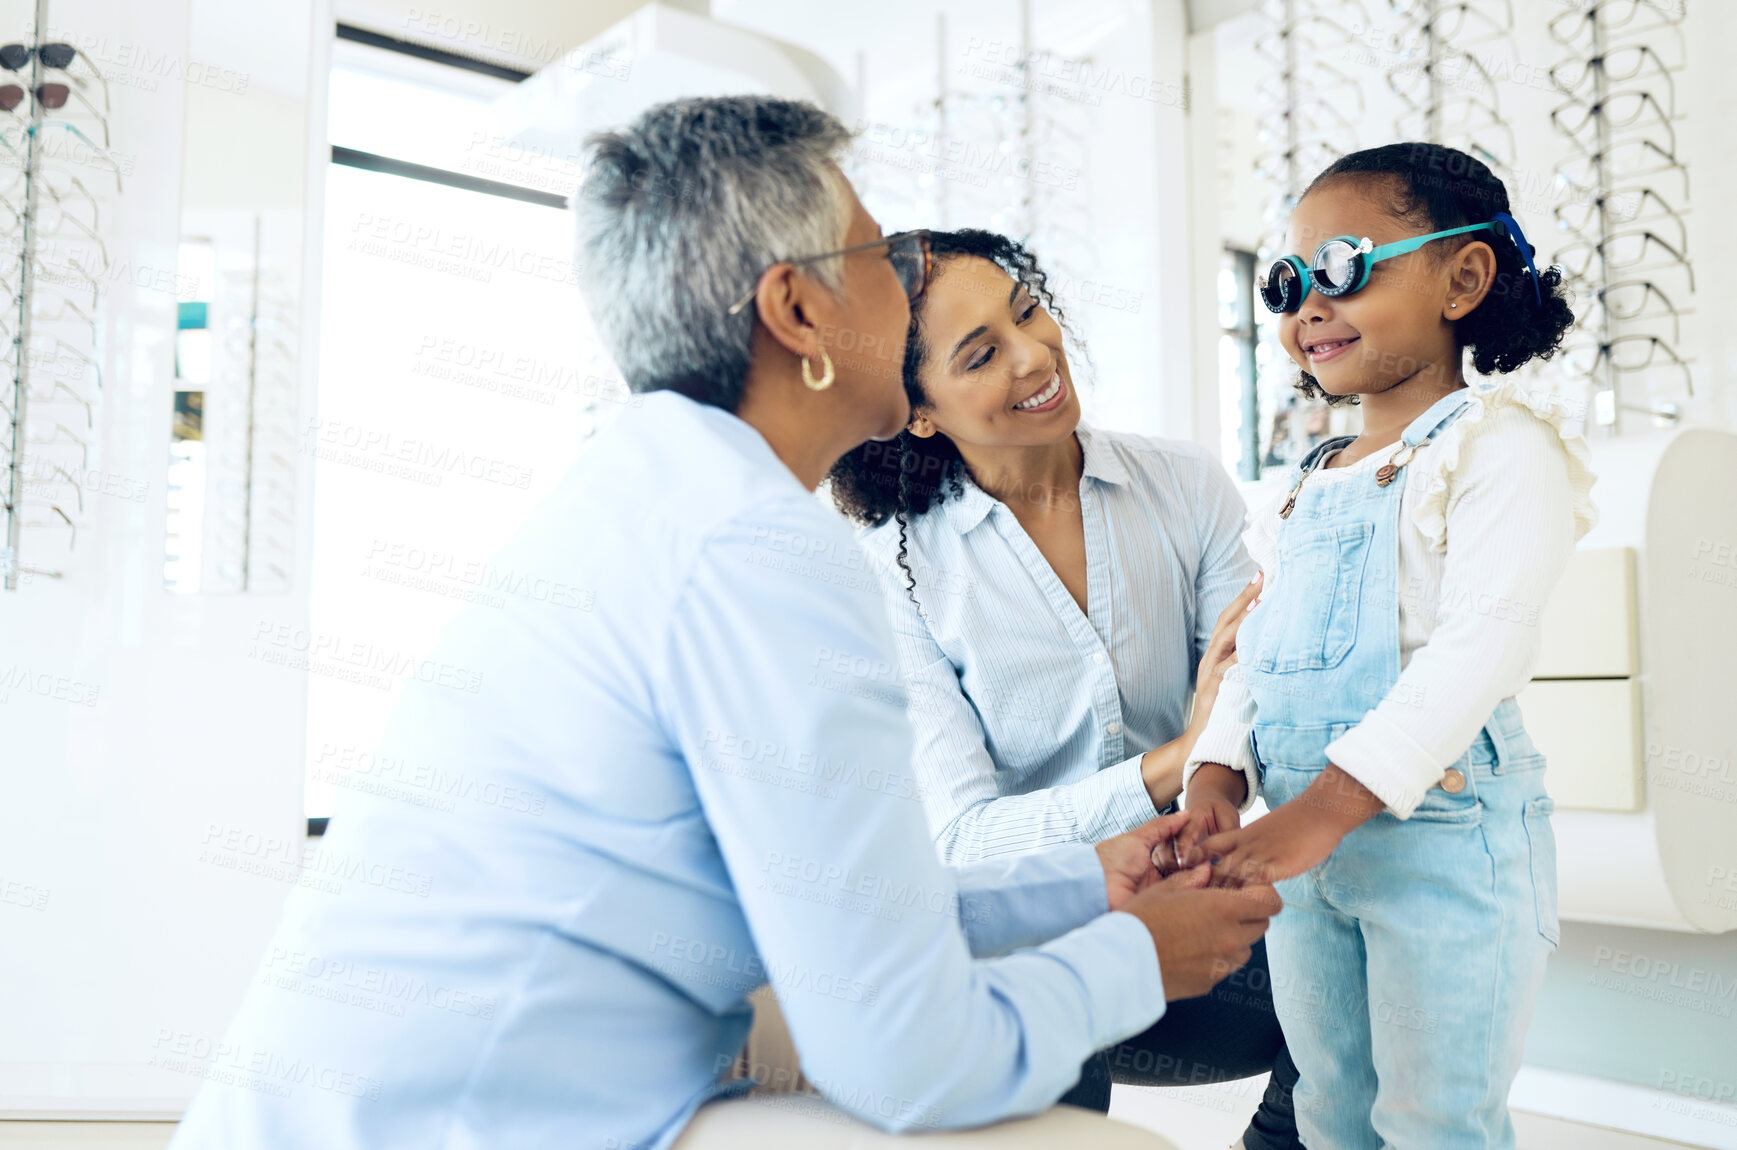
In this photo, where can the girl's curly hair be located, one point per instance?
(1436, 188)
(904, 476)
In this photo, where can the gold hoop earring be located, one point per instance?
(826, 376)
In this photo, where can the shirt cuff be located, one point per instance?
(1022, 900)
(1225, 747)
(1116, 960)
(1112, 801)
(1379, 754)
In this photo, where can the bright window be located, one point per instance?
(457, 379)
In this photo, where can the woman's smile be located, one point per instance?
(1046, 398)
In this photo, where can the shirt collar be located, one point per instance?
(1101, 462)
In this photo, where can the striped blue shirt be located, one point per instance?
(1031, 716)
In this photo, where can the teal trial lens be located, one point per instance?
(1342, 264)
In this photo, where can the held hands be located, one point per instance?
(1201, 935)
(1213, 796)
(1128, 858)
(1295, 838)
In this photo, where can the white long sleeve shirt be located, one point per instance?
(1491, 510)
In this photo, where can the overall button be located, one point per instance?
(1453, 782)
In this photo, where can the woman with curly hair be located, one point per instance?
(1054, 590)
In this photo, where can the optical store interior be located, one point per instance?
(296, 346)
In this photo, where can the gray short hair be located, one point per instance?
(679, 214)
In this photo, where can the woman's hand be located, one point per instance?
(1161, 767)
(1221, 653)
(1129, 859)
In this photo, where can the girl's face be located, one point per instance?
(994, 375)
(1398, 326)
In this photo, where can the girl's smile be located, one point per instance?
(1321, 348)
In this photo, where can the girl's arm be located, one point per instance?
(1509, 527)
(1508, 530)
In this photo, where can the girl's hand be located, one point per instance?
(1271, 848)
(1295, 838)
(1211, 810)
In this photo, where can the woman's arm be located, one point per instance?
(841, 887)
(969, 817)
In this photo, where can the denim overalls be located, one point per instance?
(1404, 967)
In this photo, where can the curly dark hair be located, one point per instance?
(904, 476)
(1436, 188)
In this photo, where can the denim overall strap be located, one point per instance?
(1323, 649)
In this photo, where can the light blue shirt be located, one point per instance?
(1030, 715)
(687, 780)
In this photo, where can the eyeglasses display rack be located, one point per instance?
(1313, 103)
(1624, 195)
(1446, 92)
(54, 184)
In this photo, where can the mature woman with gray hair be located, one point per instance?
(708, 768)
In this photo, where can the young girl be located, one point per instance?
(1373, 705)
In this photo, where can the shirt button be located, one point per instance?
(1098, 657)
(1113, 728)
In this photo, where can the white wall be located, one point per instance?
(119, 815)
